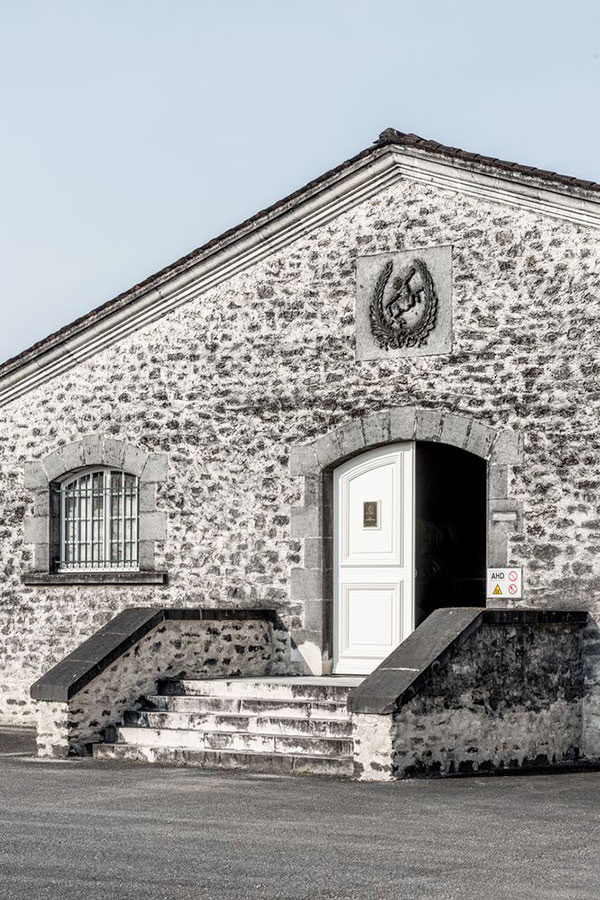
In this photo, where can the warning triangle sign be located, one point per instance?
(497, 590)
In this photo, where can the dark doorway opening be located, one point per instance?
(450, 554)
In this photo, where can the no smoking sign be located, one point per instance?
(504, 584)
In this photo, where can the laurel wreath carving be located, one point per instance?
(394, 335)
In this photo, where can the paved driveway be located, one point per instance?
(80, 830)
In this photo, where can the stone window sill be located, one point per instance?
(56, 579)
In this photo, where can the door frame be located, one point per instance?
(311, 585)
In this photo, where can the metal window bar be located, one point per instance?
(99, 521)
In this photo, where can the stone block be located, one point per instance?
(35, 529)
(41, 557)
(455, 430)
(373, 738)
(41, 502)
(114, 453)
(313, 617)
(54, 465)
(327, 450)
(303, 460)
(134, 460)
(306, 584)
(147, 497)
(497, 546)
(507, 512)
(146, 555)
(480, 439)
(72, 456)
(376, 428)
(350, 438)
(498, 482)
(156, 468)
(402, 423)
(153, 526)
(93, 449)
(305, 656)
(428, 424)
(507, 449)
(316, 550)
(34, 475)
(305, 522)
(313, 489)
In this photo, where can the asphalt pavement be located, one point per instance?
(85, 830)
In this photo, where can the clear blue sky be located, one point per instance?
(134, 131)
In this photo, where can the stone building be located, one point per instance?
(327, 422)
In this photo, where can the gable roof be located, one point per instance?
(392, 156)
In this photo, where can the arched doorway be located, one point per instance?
(311, 586)
(409, 537)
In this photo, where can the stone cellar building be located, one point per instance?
(249, 506)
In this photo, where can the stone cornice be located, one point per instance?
(320, 203)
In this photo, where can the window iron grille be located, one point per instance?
(99, 521)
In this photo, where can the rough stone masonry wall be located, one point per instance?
(227, 383)
(175, 649)
(510, 697)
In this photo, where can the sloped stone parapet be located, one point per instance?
(481, 690)
(82, 698)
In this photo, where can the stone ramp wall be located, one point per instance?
(73, 710)
(475, 691)
(510, 697)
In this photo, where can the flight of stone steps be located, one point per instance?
(275, 725)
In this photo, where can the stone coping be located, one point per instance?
(397, 679)
(85, 663)
(59, 579)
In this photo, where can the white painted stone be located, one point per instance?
(373, 747)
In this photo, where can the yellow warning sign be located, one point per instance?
(497, 590)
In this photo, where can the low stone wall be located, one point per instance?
(510, 697)
(174, 648)
(506, 690)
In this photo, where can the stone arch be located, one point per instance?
(94, 450)
(312, 523)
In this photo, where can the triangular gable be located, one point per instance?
(394, 156)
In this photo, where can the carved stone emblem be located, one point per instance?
(403, 303)
(405, 313)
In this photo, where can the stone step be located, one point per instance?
(297, 709)
(254, 724)
(268, 763)
(235, 740)
(303, 688)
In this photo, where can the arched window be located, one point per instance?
(99, 520)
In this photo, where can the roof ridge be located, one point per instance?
(402, 139)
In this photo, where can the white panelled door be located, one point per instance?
(373, 557)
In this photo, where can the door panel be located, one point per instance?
(373, 557)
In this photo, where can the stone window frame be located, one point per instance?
(41, 475)
(312, 523)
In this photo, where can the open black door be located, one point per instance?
(450, 552)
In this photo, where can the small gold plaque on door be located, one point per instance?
(371, 514)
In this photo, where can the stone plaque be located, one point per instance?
(404, 303)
